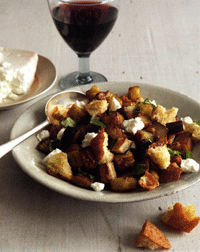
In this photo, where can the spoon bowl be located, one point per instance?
(65, 98)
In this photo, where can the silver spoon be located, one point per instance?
(65, 98)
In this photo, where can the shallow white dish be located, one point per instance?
(45, 78)
(29, 159)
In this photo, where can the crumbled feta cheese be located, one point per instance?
(43, 135)
(46, 159)
(80, 104)
(97, 186)
(189, 165)
(6, 64)
(187, 119)
(114, 105)
(13, 96)
(60, 133)
(154, 103)
(87, 139)
(133, 125)
(5, 89)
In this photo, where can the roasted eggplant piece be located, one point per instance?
(159, 130)
(107, 172)
(82, 181)
(123, 184)
(175, 127)
(43, 146)
(122, 145)
(124, 161)
(67, 138)
(183, 142)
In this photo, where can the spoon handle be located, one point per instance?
(5, 148)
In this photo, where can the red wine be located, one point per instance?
(84, 25)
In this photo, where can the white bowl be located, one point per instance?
(29, 159)
(45, 79)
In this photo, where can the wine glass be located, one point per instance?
(83, 24)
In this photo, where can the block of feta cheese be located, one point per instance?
(17, 72)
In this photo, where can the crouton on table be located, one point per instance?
(182, 218)
(151, 237)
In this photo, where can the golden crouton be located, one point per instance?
(109, 94)
(92, 92)
(148, 181)
(76, 113)
(146, 110)
(145, 119)
(58, 113)
(159, 154)
(99, 147)
(58, 166)
(130, 111)
(121, 145)
(151, 237)
(154, 174)
(134, 93)
(163, 116)
(115, 119)
(181, 217)
(123, 184)
(126, 102)
(100, 96)
(177, 160)
(107, 172)
(109, 97)
(96, 107)
(172, 173)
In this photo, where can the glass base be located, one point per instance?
(73, 79)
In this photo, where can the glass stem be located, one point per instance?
(84, 69)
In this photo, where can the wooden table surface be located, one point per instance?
(155, 42)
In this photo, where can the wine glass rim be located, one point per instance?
(92, 2)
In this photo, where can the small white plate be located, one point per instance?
(44, 80)
(29, 159)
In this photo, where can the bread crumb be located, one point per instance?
(182, 218)
(151, 237)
